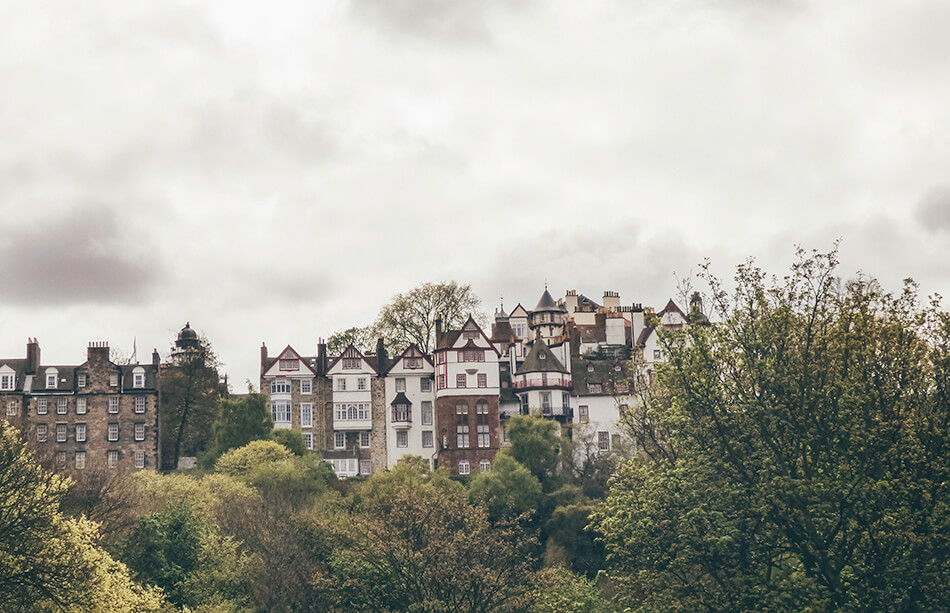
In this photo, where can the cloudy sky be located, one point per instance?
(276, 172)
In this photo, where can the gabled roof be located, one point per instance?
(290, 353)
(451, 337)
(502, 332)
(515, 312)
(412, 351)
(352, 352)
(18, 366)
(671, 308)
(540, 359)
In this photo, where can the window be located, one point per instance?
(366, 467)
(542, 356)
(7, 382)
(114, 382)
(361, 384)
(80, 433)
(341, 384)
(622, 388)
(603, 441)
(464, 467)
(52, 376)
(657, 354)
(80, 406)
(470, 334)
(339, 440)
(289, 364)
(460, 380)
(138, 377)
(280, 411)
(484, 465)
(524, 404)
(426, 413)
(308, 438)
(402, 439)
(112, 432)
(472, 355)
(440, 358)
(60, 460)
(112, 458)
(61, 406)
(306, 416)
(413, 362)
(60, 433)
(583, 413)
(461, 426)
(482, 380)
(80, 460)
(520, 330)
(82, 379)
(364, 439)
(140, 431)
(11, 407)
(41, 406)
(402, 412)
(280, 386)
(546, 402)
(594, 388)
(140, 404)
(351, 363)
(140, 459)
(400, 384)
(481, 426)
(590, 368)
(441, 382)
(41, 433)
(565, 400)
(425, 384)
(346, 467)
(306, 386)
(113, 404)
(353, 411)
(427, 438)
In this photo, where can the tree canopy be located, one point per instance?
(410, 317)
(803, 458)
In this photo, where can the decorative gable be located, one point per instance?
(288, 364)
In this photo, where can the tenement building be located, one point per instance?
(97, 414)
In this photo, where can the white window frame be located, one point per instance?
(289, 364)
(281, 411)
(81, 379)
(365, 439)
(138, 377)
(114, 381)
(280, 386)
(81, 433)
(140, 459)
(7, 382)
(428, 437)
(400, 384)
(306, 386)
(42, 432)
(62, 406)
(339, 440)
(42, 406)
(340, 384)
(306, 415)
(139, 431)
(402, 439)
(112, 458)
(308, 438)
(114, 404)
(52, 380)
(62, 433)
(139, 404)
(112, 432)
(425, 384)
(464, 467)
(80, 460)
(361, 384)
(484, 465)
(81, 406)
(11, 407)
(426, 412)
(461, 380)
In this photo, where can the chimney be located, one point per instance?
(321, 358)
(612, 300)
(438, 330)
(381, 357)
(98, 351)
(156, 359)
(695, 308)
(263, 356)
(32, 356)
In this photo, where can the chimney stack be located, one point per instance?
(438, 330)
(321, 358)
(32, 356)
(156, 359)
(263, 356)
(98, 351)
(381, 357)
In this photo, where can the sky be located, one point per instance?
(276, 172)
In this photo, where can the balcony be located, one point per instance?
(561, 413)
(402, 418)
(526, 382)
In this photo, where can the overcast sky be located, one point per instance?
(277, 171)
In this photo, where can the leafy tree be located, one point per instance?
(241, 461)
(561, 591)
(49, 562)
(292, 440)
(508, 490)
(241, 419)
(413, 542)
(361, 338)
(191, 388)
(536, 444)
(410, 317)
(804, 464)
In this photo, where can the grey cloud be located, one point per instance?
(933, 212)
(79, 257)
(460, 20)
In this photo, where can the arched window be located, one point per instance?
(464, 467)
(138, 377)
(52, 378)
(484, 465)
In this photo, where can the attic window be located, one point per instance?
(6, 382)
(590, 368)
(289, 364)
(351, 363)
(617, 367)
(594, 388)
(470, 334)
(542, 356)
(413, 362)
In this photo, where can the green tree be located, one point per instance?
(241, 419)
(410, 317)
(291, 439)
(508, 490)
(361, 338)
(804, 465)
(49, 562)
(241, 461)
(536, 445)
(190, 391)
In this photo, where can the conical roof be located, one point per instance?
(546, 303)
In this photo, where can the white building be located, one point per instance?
(410, 402)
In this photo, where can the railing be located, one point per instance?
(557, 411)
(538, 382)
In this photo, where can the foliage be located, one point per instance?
(536, 444)
(239, 462)
(561, 591)
(569, 543)
(48, 562)
(240, 420)
(410, 317)
(191, 388)
(291, 439)
(361, 338)
(179, 552)
(508, 490)
(412, 542)
(804, 463)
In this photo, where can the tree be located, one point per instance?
(804, 464)
(49, 562)
(410, 317)
(190, 391)
(292, 440)
(242, 460)
(241, 419)
(508, 490)
(536, 444)
(361, 338)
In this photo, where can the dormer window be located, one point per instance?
(289, 364)
(7, 382)
(138, 377)
(81, 380)
(590, 368)
(413, 362)
(351, 363)
(114, 380)
(52, 378)
(542, 356)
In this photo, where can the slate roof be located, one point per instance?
(603, 373)
(400, 398)
(546, 303)
(19, 368)
(533, 362)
